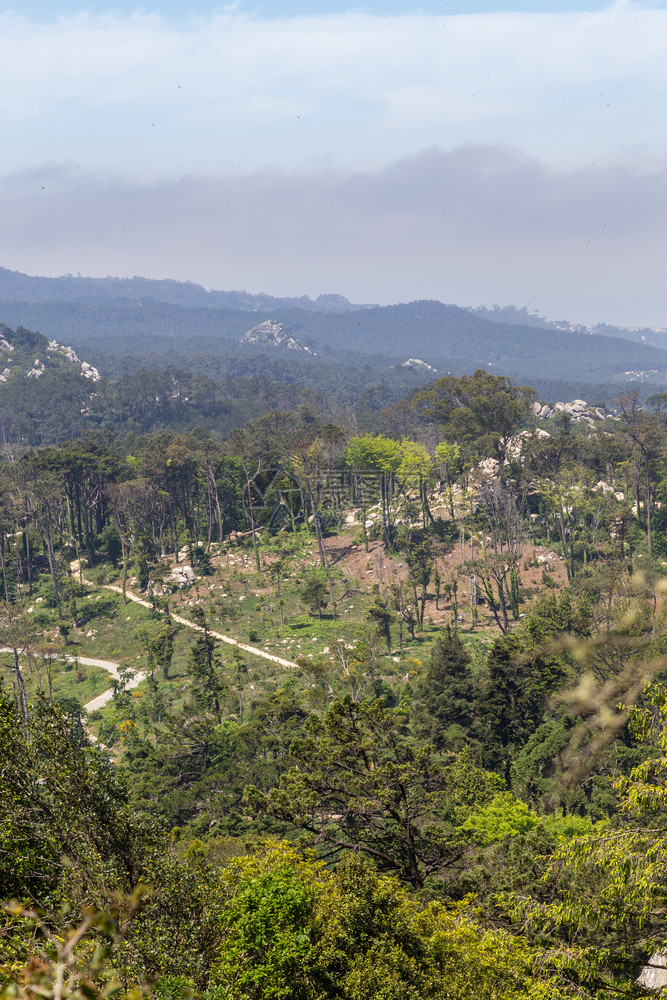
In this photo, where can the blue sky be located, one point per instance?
(501, 148)
(49, 10)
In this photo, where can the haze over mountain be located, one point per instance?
(122, 324)
(473, 153)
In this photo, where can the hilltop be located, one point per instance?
(121, 325)
(272, 334)
(26, 354)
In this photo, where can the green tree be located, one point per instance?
(481, 410)
(647, 432)
(417, 466)
(293, 929)
(455, 465)
(380, 613)
(445, 696)
(360, 782)
(382, 455)
(511, 700)
(238, 671)
(161, 647)
(608, 916)
(18, 634)
(268, 926)
(205, 666)
(61, 799)
(419, 557)
(276, 571)
(314, 593)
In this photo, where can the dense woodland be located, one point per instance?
(357, 359)
(445, 336)
(449, 779)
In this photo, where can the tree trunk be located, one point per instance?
(252, 518)
(4, 566)
(320, 546)
(647, 504)
(21, 695)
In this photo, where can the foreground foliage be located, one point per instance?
(289, 928)
(475, 810)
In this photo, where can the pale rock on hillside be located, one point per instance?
(273, 334)
(26, 354)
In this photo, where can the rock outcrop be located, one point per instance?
(88, 371)
(515, 446)
(578, 411)
(26, 354)
(418, 365)
(182, 576)
(654, 975)
(273, 334)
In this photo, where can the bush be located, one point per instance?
(314, 592)
(101, 575)
(203, 561)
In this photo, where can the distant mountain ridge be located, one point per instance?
(122, 324)
(508, 315)
(18, 287)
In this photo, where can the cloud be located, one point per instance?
(475, 225)
(229, 91)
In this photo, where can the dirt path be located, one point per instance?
(254, 650)
(234, 642)
(112, 667)
(109, 665)
(103, 699)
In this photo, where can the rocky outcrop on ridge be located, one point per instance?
(418, 365)
(273, 334)
(26, 354)
(88, 371)
(578, 410)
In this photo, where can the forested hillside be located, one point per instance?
(309, 709)
(49, 394)
(122, 325)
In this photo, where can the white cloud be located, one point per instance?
(183, 151)
(357, 86)
(474, 225)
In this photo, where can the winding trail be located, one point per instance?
(254, 650)
(103, 699)
(112, 667)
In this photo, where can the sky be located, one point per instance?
(473, 152)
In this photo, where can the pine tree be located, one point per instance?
(445, 696)
(205, 667)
